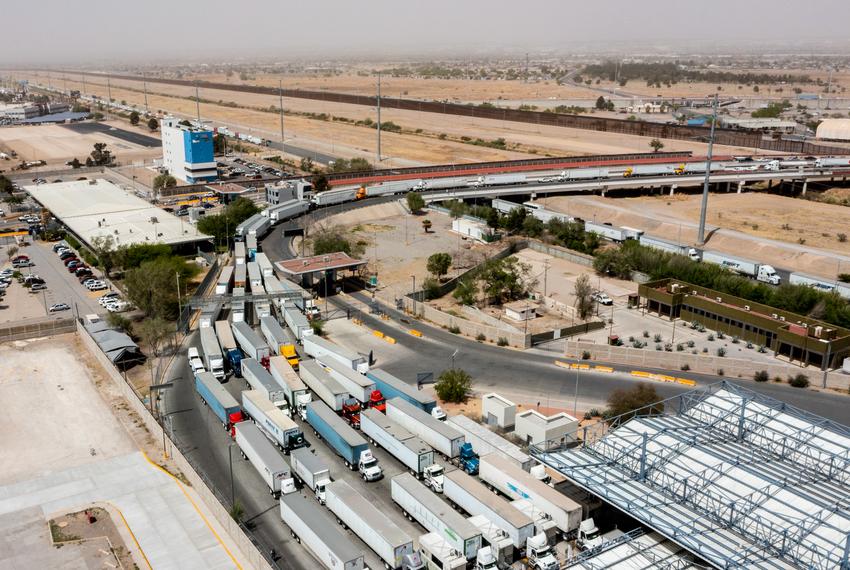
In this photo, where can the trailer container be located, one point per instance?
(413, 453)
(614, 233)
(584, 173)
(669, 246)
(820, 284)
(259, 379)
(825, 162)
(277, 426)
(229, 348)
(262, 307)
(322, 384)
(266, 267)
(499, 180)
(341, 437)
(219, 400)
(443, 183)
(244, 228)
(443, 438)
(260, 227)
(501, 547)
(311, 471)
(651, 170)
(294, 388)
(314, 527)
(250, 342)
(255, 278)
(237, 305)
(393, 187)
(510, 480)
(358, 385)
(439, 554)
(274, 334)
(331, 197)
(543, 523)
(209, 316)
(250, 247)
(297, 322)
(392, 387)
(225, 281)
(435, 514)
(272, 468)
(485, 441)
(758, 271)
(287, 210)
(473, 497)
(322, 349)
(240, 276)
(211, 351)
(373, 527)
(239, 253)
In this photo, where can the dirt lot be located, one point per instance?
(93, 532)
(817, 223)
(55, 144)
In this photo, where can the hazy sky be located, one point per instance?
(60, 31)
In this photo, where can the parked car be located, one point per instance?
(108, 298)
(68, 254)
(55, 308)
(23, 263)
(38, 287)
(71, 260)
(96, 286)
(602, 298)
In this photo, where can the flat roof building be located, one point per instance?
(187, 151)
(99, 208)
(535, 428)
(796, 337)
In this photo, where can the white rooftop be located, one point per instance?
(92, 208)
(547, 421)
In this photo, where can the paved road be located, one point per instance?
(315, 155)
(125, 135)
(62, 286)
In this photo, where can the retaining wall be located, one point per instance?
(36, 328)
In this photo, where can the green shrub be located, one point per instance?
(657, 338)
(799, 381)
(481, 337)
(453, 385)
(720, 335)
(645, 334)
(761, 376)
(711, 338)
(680, 347)
(585, 355)
(720, 372)
(721, 352)
(502, 341)
(685, 367)
(690, 344)
(72, 241)
(454, 329)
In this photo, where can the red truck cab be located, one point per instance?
(351, 412)
(378, 402)
(234, 419)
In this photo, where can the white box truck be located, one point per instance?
(250, 342)
(373, 527)
(413, 453)
(296, 321)
(437, 554)
(669, 246)
(315, 528)
(473, 497)
(259, 379)
(322, 349)
(485, 441)
(420, 504)
(311, 471)
(270, 465)
(443, 438)
(505, 477)
(758, 271)
(277, 426)
(358, 385)
(213, 357)
(323, 386)
(294, 388)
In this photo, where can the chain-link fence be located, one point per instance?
(35, 328)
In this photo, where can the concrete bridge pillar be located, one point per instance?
(728, 186)
(740, 186)
(603, 190)
(805, 186)
(534, 195)
(673, 189)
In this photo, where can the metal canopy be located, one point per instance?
(740, 479)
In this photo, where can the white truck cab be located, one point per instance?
(301, 405)
(588, 535)
(433, 477)
(539, 472)
(767, 274)
(485, 560)
(368, 467)
(539, 553)
(438, 413)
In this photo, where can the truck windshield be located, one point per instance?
(544, 552)
(437, 472)
(370, 463)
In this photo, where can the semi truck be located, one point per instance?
(420, 504)
(820, 284)
(543, 523)
(213, 358)
(501, 549)
(311, 472)
(279, 428)
(669, 246)
(208, 316)
(322, 349)
(513, 482)
(229, 348)
(473, 497)
(498, 180)
(223, 405)
(359, 386)
(250, 342)
(411, 451)
(239, 253)
(296, 391)
(269, 464)
(346, 442)
(225, 281)
(314, 527)
(278, 341)
(237, 305)
(287, 210)
(240, 276)
(392, 387)
(296, 321)
(255, 278)
(539, 554)
(443, 438)
(258, 378)
(758, 271)
(614, 233)
(439, 554)
(485, 441)
(251, 246)
(331, 197)
(323, 385)
(362, 517)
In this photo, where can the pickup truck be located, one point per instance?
(195, 361)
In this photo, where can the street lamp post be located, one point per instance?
(232, 491)
(575, 398)
(413, 294)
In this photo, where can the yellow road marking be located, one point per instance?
(133, 535)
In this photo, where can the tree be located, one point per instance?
(11, 251)
(6, 186)
(306, 164)
(222, 226)
(152, 286)
(153, 124)
(504, 279)
(583, 291)
(453, 385)
(431, 288)
(320, 183)
(134, 118)
(75, 163)
(600, 103)
(466, 291)
(656, 145)
(330, 240)
(426, 225)
(438, 264)
(100, 156)
(104, 248)
(514, 219)
(628, 401)
(164, 181)
(415, 202)
(119, 321)
(219, 144)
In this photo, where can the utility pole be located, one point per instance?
(64, 84)
(108, 96)
(198, 103)
(526, 67)
(379, 120)
(145, 86)
(83, 77)
(282, 139)
(705, 184)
